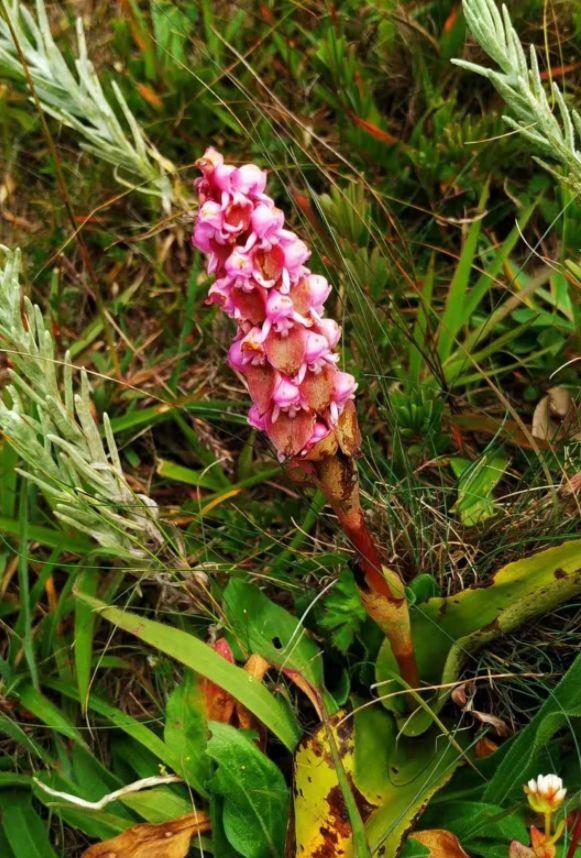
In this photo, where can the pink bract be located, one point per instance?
(284, 346)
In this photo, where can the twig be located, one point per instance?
(136, 786)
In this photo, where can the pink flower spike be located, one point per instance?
(203, 235)
(283, 347)
(295, 254)
(267, 265)
(212, 214)
(237, 215)
(344, 387)
(252, 347)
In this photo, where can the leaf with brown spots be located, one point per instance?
(448, 628)
(322, 828)
(168, 840)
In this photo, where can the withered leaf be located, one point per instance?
(322, 825)
(441, 843)
(167, 840)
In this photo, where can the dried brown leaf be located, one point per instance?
(441, 843)
(167, 840)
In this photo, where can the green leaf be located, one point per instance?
(418, 768)
(422, 588)
(455, 315)
(14, 731)
(201, 658)
(171, 29)
(254, 793)
(518, 764)
(129, 725)
(474, 821)
(412, 849)
(205, 479)
(23, 828)
(158, 805)
(375, 736)
(447, 630)
(265, 628)
(343, 613)
(47, 536)
(43, 709)
(84, 629)
(476, 483)
(186, 731)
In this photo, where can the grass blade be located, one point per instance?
(201, 658)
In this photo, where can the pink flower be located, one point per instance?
(258, 420)
(267, 221)
(284, 348)
(239, 266)
(330, 330)
(286, 397)
(248, 179)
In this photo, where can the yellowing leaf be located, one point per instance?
(442, 844)
(168, 840)
(321, 820)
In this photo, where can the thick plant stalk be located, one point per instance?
(381, 589)
(285, 349)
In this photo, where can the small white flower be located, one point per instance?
(545, 793)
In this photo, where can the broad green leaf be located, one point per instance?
(518, 763)
(412, 849)
(418, 768)
(473, 821)
(97, 824)
(84, 629)
(475, 485)
(201, 658)
(22, 826)
(186, 731)
(343, 614)
(158, 805)
(375, 737)
(447, 630)
(254, 794)
(265, 628)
